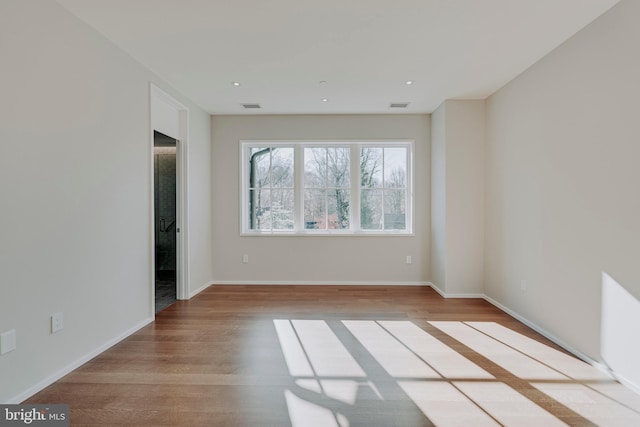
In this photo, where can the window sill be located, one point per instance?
(327, 234)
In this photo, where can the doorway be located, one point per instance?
(165, 219)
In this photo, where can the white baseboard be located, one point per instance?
(77, 363)
(438, 290)
(545, 333)
(200, 289)
(444, 294)
(625, 382)
(598, 365)
(325, 283)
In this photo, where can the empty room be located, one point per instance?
(338, 213)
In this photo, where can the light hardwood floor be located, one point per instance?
(338, 356)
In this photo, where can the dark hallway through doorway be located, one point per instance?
(165, 226)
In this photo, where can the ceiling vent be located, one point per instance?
(250, 106)
(399, 105)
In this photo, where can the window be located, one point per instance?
(325, 188)
(271, 188)
(383, 188)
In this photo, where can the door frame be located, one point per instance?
(171, 117)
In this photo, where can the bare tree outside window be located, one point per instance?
(383, 188)
(271, 188)
(370, 181)
(326, 188)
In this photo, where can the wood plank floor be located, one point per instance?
(338, 356)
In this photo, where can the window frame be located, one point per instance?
(354, 166)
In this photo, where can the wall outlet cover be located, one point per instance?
(57, 322)
(7, 341)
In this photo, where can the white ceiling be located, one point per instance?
(279, 50)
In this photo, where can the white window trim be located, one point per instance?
(299, 145)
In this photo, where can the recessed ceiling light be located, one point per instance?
(323, 82)
(409, 82)
(235, 83)
(325, 99)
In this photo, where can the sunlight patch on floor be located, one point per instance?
(325, 350)
(292, 350)
(445, 405)
(392, 355)
(512, 360)
(306, 414)
(446, 361)
(562, 362)
(312, 348)
(590, 404)
(507, 405)
(618, 393)
(337, 366)
(345, 391)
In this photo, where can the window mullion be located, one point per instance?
(408, 190)
(383, 190)
(270, 178)
(298, 188)
(326, 189)
(354, 172)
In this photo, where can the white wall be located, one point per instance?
(200, 200)
(75, 188)
(438, 197)
(457, 206)
(562, 198)
(326, 259)
(465, 196)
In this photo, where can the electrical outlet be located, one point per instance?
(57, 322)
(245, 259)
(523, 285)
(7, 341)
(408, 259)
